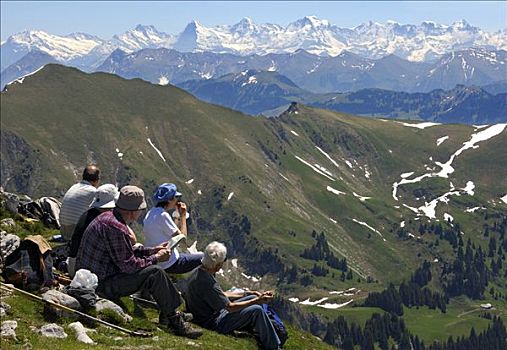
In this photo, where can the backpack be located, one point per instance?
(277, 323)
(45, 209)
(30, 266)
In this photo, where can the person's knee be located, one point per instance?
(156, 277)
(154, 268)
(157, 272)
(160, 272)
(256, 310)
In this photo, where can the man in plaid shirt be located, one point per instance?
(107, 251)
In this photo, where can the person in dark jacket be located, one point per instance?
(225, 312)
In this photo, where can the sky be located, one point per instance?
(105, 19)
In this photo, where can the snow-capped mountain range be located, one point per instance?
(425, 42)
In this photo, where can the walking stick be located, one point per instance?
(144, 302)
(144, 334)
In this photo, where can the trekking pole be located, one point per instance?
(76, 312)
(145, 302)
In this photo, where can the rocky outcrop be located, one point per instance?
(8, 244)
(81, 335)
(62, 299)
(21, 170)
(104, 304)
(52, 330)
(8, 329)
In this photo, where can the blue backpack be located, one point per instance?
(277, 323)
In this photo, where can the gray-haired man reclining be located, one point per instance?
(212, 308)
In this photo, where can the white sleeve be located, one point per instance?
(168, 224)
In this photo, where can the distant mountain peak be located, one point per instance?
(246, 25)
(461, 23)
(27, 35)
(83, 36)
(118, 54)
(194, 25)
(293, 108)
(463, 26)
(368, 24)
(312, 21)
(145, 30)
(145, 27)
(246, 20)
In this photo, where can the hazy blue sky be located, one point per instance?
(107, 18)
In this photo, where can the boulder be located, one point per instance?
(6, 292)
(61, 298)
(52, 330)
(7, 223)
(4, 309)
(81, 333)
(8, 244)
(11, 201)
(8, 329)
(104, 304)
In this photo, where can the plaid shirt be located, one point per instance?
(106, 250)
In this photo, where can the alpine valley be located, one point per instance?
(269, 93)
(375, 233)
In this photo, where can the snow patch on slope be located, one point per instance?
(156, 149)
(314, 168)
(419, 125)
(442, 139)
(335, 191)
(369, 227)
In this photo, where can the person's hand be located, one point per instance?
(160, 247)
(132, 235)
(163, 254)
(265, 298)
(253, 292)
(182, 209)
(269, 292)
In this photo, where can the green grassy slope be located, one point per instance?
(68, 118)
(30, 314)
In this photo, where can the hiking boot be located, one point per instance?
(179, 327)
(187, 317)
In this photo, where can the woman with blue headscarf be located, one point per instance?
(159, 227)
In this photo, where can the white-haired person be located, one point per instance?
(225, 312)
(159, 227)
(104, 199)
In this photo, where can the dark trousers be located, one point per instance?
(185, 263)
(152, 278)
(252, 318)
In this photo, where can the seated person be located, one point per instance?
(106, 250)
(103, 201)
(159, 227)
(213, 309)
(77, 200)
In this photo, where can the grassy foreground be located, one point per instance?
(30, 313)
